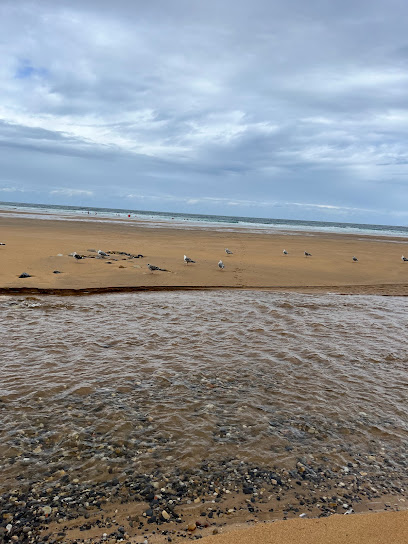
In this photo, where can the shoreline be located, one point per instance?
(158, 224)
(367, 290)
(180, 220)
(225, 500)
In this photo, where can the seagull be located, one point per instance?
(151, 267)
(102, 253)
(307, 254)
(405, 259)
(188, 260)
(77, 257)
(228, 251)
(2, 244)
(285, 252)
(355, 259)
(221, 265)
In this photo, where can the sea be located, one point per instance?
(177, 220)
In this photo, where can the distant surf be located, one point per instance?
(153, 218)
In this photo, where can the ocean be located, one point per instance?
(163, 219)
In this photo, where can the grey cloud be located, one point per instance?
(241, 102)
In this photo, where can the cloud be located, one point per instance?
(71, 192)
(11, 190)
(208, 105)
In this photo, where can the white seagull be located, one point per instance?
(228, 251)
(221, 265)
(102, 253)
(405, 259)
(188, 260)
(285, 252)
(76, 256)
(355, 259)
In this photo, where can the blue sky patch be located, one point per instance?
(26, 70)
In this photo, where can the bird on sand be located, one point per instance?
(355, 259)
(151, 267)
(76, 256)
(285, 252)
(188, 260)
(307, 254)
(405, 259)
(2, 244)
(228, 251)
(221, 265)
(102, 253)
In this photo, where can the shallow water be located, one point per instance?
(107, 384)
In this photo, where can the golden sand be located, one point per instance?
(33, 246)
(379, 528)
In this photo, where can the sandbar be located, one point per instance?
(39, 247)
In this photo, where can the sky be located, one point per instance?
(282, 109)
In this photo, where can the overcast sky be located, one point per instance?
(286, 109)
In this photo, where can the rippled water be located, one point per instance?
(104, 384)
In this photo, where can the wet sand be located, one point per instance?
(380, 528)
(364, 528)
(33, 246)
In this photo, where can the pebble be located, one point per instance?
(165, 493)
(165, 515)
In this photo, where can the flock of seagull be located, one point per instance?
(221, 265)
(151, 267)
(79, 257)
(188, 260)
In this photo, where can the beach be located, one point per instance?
(198, 402)
(39, 247)
(362, 529)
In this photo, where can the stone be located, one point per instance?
(24, 275)
(165, 515)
